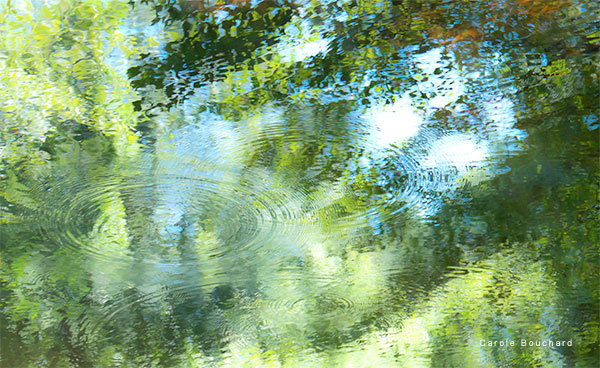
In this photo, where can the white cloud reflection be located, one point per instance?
(446, 86)
(392, 124)
(458, 150)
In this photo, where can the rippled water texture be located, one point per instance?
(308, 184)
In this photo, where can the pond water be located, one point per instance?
(308, 184)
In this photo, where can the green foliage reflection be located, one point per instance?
(310, 184)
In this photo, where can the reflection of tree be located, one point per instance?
(208, 47)
(63, 123)
(523, 244)
(367, 43)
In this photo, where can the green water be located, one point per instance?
(310, 184)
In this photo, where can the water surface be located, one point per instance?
(310, 184)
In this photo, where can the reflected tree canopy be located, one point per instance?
(299, 184)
